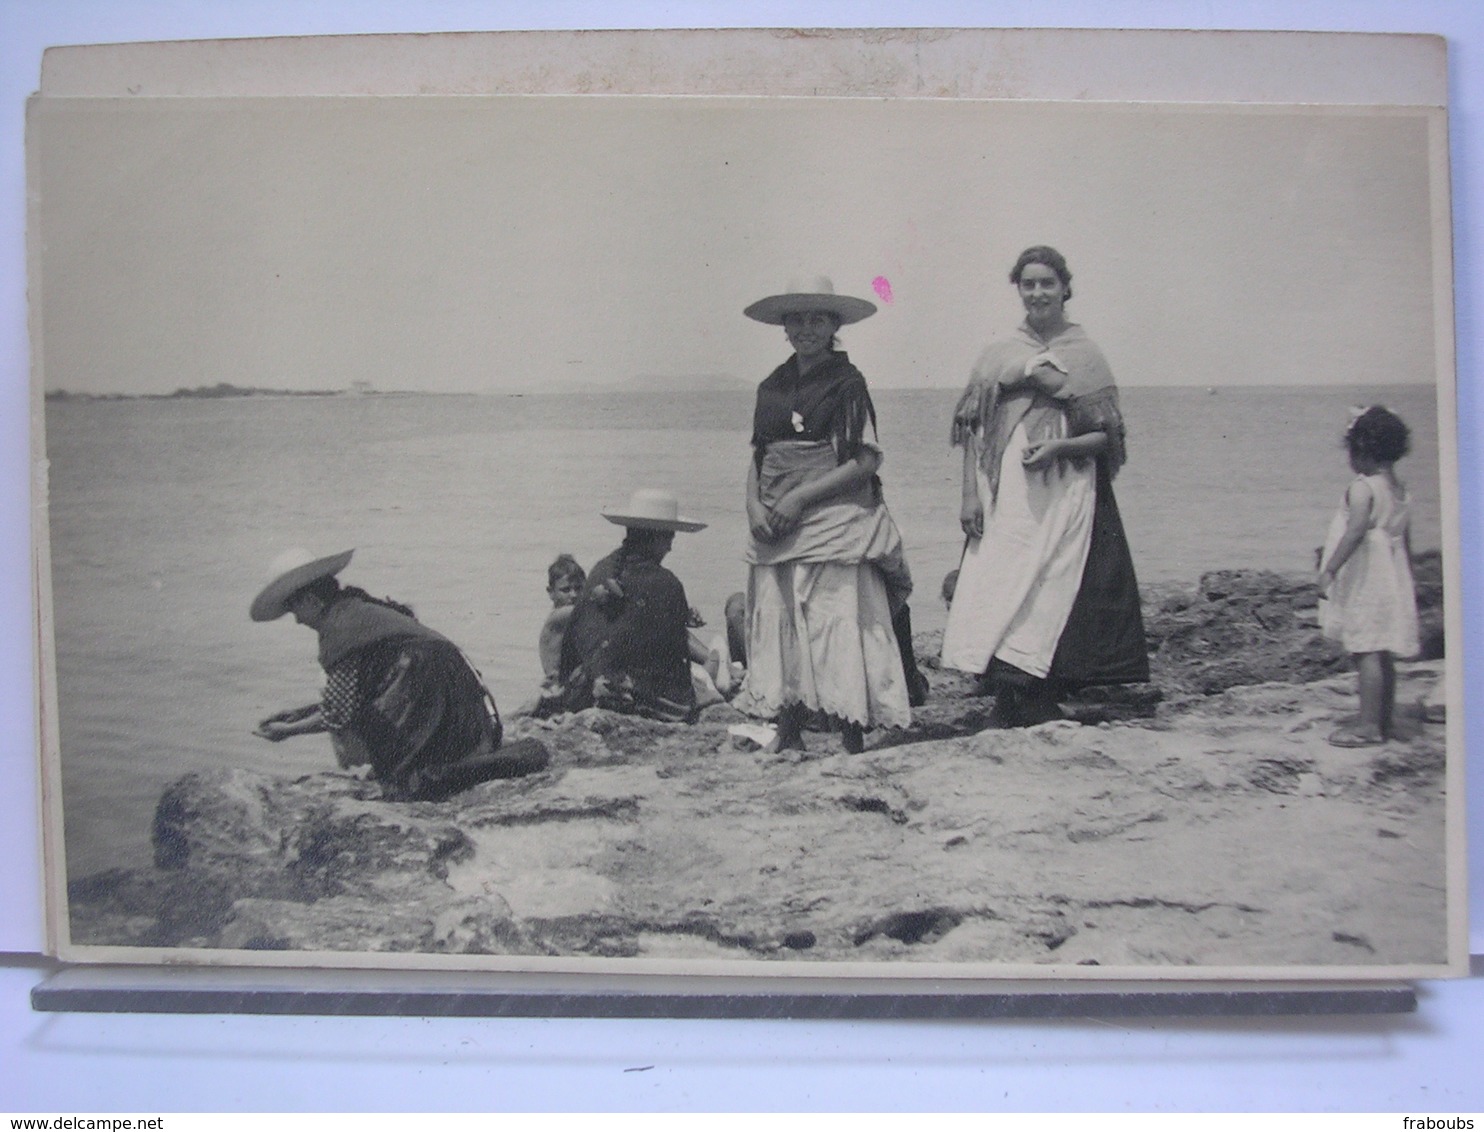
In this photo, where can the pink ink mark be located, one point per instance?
(882, 286)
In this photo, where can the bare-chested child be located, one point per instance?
(564, 581)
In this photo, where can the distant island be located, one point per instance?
(220, 389)
(641, 383)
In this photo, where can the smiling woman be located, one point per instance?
(1046, 596)
(828, 584)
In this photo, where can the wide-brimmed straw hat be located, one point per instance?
(291, 571)
(815, 293)
(654, 510)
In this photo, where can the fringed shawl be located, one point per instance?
(830, 403)
(352, 623)
(1069, 372)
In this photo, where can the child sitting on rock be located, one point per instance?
(1367, 596)
(564, 581)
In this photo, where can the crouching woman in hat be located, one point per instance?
(627, 645)
(828, 627)
(397, 695)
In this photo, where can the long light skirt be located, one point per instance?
(1016, 585)
(819, 634)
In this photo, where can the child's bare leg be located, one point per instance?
(1372, 694)
(1388, 693)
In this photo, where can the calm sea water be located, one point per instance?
(164, 515)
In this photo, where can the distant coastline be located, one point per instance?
(648, 385)
(643, 383)
(220, 389)
(225, 389)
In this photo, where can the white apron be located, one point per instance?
(1017, 584)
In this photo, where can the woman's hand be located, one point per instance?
(971, 518)
(296, 721)
(1040, 455)
(757, 521)
(281, 725)
(786, 513)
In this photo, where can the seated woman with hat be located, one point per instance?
(397, 695)
(627, 645)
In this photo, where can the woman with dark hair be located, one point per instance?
(828, 627)
(397, 695)
(627, 645)
(1046, 598)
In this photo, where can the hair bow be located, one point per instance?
(1358, 411)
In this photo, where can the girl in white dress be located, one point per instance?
(1367, 598)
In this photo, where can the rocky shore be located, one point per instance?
(1199, 820)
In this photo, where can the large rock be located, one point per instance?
(1427, 572)
(1239, 627)
(1255, 626)
(1206, 835)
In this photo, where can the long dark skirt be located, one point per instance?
(432, 728)
(1103, 642)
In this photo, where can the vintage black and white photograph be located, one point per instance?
(874, 536)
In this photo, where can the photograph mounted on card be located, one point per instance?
(750, 503)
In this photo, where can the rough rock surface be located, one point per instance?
(1254, 626)
(1203, 820)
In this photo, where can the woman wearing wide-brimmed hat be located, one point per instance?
(627, 645)
(397, 695)
(827, 572)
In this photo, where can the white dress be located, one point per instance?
(819, 611)
(1372, 604)
(820, 635)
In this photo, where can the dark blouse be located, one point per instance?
(829, 403)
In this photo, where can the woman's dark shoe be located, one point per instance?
(1040, 706)
(852, 737)
(1018, 705)
(1009, 708)
(789, 733)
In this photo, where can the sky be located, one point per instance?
(502, 244)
